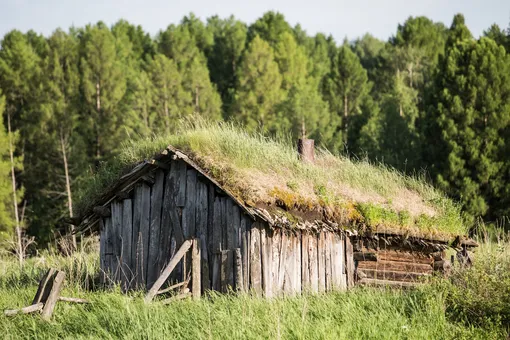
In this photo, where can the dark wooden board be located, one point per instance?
(127, 262)
(155, 228)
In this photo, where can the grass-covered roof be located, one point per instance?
(264, 172)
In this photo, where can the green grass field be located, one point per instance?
(471, 304)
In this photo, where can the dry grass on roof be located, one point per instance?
(258, 169)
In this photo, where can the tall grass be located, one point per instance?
(471, 304)
(236, 158)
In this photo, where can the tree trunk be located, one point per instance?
(346, 123)
(98, 107)
(14, 196)
(68, 186)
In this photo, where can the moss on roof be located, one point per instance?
(261, 171)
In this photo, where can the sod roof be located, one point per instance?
(268, 179)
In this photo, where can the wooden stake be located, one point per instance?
(168, 270)
(195, 270)
(42, 291)
(49, 304)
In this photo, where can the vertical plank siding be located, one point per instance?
(232, 250)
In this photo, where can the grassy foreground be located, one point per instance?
(472, 304)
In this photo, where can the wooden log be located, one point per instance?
(389, 283)
(126, 256)
(73, 300)
(183, 295)
(255, 261)
(365, 256)
(155, 228)
(349, 262)
(43, 290)
(168, 270)
(56, 287)
(239, 279)
(172, 287)
(391, 275)
(102, 211)
(391, 255)
(396, 266)
(25, 310)
(196, 281)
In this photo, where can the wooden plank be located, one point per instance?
(283, 260)
(217, 226)
(188, 212)
(245, 249)
(127, 264)
(276, 244)
(43, 290)
(390, 275)
(108, 251)
(216, 272)
(396, 266)
(144, 232)
(201, 211)
(288, 283)
(196, 281)
(264, 259)
(181, 169)
(305, 276)
(328, 245)
(236, 218)
(313, 266)
(102, 249)
(224, 271)
(155, 228)
(172, 287)
(297, 260)
(56, 286)
(239, 278)
(342, 263)
(321, 262)
(116, 240)
(349, 262)
(166, 272)
(230, 224)
(255, 261)
(223, 222)
(210, 228)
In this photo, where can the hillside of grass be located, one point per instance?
(472, 304)
(268, 172)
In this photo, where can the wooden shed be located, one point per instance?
(149, 212)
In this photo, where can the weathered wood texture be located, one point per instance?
(54, 287)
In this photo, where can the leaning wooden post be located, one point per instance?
(195, 270)
(168, 270)
(49, 304)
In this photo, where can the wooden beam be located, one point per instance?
(25, 310)
(56, 286)
(396, 266)
(168, 270)
(376, 282)
(181, 296)
(365, 256)
(391, 275)
(172, 287)
(43, 290)
(239, 270)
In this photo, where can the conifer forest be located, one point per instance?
(432, 101)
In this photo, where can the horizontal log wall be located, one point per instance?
(392, 267)
(178, 203)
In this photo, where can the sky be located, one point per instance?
(339, 18)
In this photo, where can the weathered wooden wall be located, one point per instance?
(172, 205)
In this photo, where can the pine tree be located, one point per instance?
(269, 28)
(259, 88)
(168, 97)
(473, 117)
(104, 86)
(346, 89)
